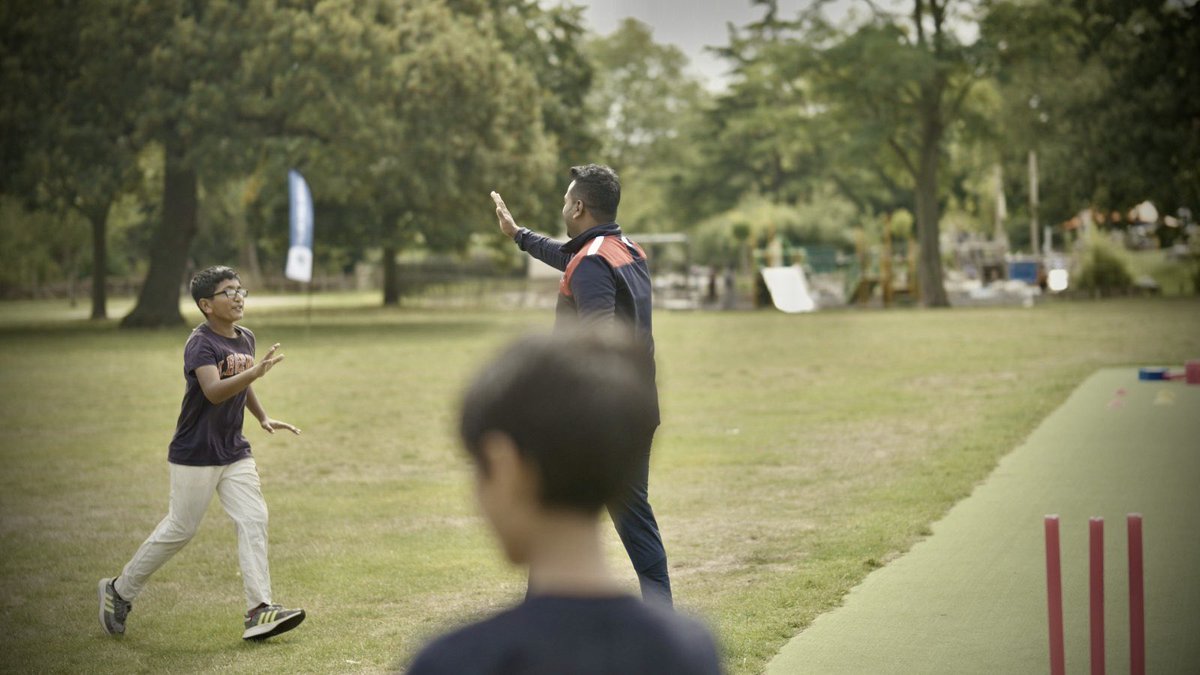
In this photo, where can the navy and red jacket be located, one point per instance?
(605, 276)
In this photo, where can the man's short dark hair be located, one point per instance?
(599, 189)
(580, 408)
(204, 283)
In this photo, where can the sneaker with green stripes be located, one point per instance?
(267, 621)
(113, 608)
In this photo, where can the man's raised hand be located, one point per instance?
(507, 225)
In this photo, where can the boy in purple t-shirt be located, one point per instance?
(209, 455)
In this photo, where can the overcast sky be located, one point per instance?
(693, 25)
(690, 25)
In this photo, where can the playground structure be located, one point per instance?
(834, 277)
(800, 278)
(881, 270)
(892, 268)
(788, 288)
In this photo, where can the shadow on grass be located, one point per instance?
(344, 323)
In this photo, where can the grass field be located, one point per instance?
(797, 454)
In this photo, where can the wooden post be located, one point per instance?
(1033, 202)
(885, 260)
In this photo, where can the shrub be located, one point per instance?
(722, 239)
(1103, 271)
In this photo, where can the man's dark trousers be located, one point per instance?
(635, 523)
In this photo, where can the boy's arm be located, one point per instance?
(260, 413)
(217, 390)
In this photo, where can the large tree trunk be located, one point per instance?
(249, 268)
(931, 286)
(158, 302)
(249, 260)
(391, 277)
(99, 219)
(1033, 203)
(929, 264)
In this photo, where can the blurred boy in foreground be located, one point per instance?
(556, 425)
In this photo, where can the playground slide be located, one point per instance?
(789, 289)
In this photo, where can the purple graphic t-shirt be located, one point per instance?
(207, 434)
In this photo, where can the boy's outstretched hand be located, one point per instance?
(271, 425)
(263, 367)
(507, 225)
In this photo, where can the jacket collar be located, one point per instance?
(577, 243)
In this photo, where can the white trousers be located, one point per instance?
(192, 488)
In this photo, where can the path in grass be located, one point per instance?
(972, 598)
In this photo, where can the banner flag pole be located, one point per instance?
(300, 226)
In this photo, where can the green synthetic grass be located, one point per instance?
(797, 454)
(972, 598)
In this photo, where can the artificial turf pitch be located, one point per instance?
(972, 597)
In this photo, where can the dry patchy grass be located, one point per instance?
(797, 454)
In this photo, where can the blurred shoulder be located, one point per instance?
(688, 639)
(470, 649)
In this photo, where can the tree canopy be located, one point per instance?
(1104, 89)
(400, 112)
(646, 108)
(404, 115)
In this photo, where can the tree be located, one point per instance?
(206, 99)
(440, 112)
(884, 95)
(779, 135)
(639, 95)
(466, 126)
(1100, 89)
(642, 107)
(38, 248)
(400, 111)
(226, 87)
(67, 125)
(911, 105)
(546, 41)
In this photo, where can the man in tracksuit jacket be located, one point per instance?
(605, 278)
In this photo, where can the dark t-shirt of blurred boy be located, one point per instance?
(555, 425)
(558, 635)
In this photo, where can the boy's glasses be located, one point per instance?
(230, 292)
